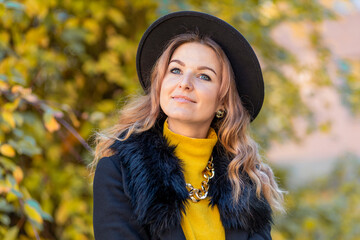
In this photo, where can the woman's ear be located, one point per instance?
(221, 107)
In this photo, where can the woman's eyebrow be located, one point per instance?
(199, 68)
(208, 68)
(177, 61)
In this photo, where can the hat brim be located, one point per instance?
(246, 67)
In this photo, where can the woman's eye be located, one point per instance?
(205, 77)
(175, 71)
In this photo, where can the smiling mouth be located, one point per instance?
(182, 99)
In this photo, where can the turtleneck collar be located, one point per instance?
(194, 153)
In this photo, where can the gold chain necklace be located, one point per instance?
(199, 194)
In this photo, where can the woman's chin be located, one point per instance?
(181, 118)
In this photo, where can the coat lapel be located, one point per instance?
(175, 233)
(250, 213)
(154, 179)
(156, 186)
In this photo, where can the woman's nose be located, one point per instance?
(186, 82)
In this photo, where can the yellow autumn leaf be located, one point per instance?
(11, 233)
(32, 213)
(29, 229)
(11, 106)
(36, 8)
(116, 16)
(2, 9)
(11, 197)
(7, 64)
(18, 174)
(7, 150)
(9, 118)
(62, 213)
(4, 37)
(37, 36)
(50, 122)
(92, 26)
(72, 23)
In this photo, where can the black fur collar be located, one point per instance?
(156, 186)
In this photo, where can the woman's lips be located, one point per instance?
(180, 98)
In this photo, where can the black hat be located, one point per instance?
(246, 67)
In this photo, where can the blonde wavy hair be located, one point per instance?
(141, 113)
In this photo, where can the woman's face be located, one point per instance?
(189, 90)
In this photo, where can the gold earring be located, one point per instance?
(220, 113)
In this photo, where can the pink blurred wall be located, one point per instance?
(316, 153)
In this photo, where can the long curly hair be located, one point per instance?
(142, 112)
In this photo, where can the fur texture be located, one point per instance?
(155, 184)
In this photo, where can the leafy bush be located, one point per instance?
(326, 208)
(67, 66)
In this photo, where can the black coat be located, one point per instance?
(139, 193)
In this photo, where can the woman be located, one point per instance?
(180, 163)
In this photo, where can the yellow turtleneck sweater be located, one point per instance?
(200, 221)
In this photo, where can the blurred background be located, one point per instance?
(67, 67)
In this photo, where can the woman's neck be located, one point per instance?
(188, 130)
(194, 153)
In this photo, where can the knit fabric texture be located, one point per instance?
(200, 221)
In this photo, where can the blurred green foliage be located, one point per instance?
(326, 208)
(349, 86)
(67, 66)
